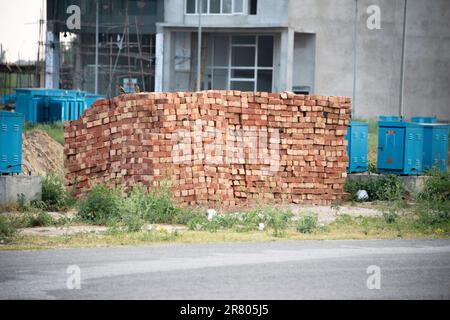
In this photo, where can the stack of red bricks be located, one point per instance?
(222, 147)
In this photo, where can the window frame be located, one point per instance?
(232, 13)
(229, 68)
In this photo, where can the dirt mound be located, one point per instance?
(41, 154)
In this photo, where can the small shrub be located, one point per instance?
(37, 218)
(7, 229)
(307, 224)
(436, 187)
(279, 221)
(197, 223)
(390, 216)
(54, 194)
(100, 205)
(371, 167)
(386, 188)
(433, 213)
(161, 208)
(389, 188)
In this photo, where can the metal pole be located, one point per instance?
(96, 45)
(199, 45)
(402, 70)
(355, 34)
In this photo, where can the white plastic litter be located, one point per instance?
(211, 214)
(362, 195)
(261, 227)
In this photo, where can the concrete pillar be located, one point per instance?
(286, 60)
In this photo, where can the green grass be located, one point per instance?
(406, 226)
(54, 130)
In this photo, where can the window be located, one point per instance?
(253, 7)
(238, 6)
(215, 6)
(242, 62)
(191, 6)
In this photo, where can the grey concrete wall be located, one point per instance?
(11, 187)
(378, 54)
(427, 74)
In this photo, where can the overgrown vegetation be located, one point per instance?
(126, 214)
(307, 224)
(434, 201)
(384, 188)
(100, 205)
(55, 197)
(7, 229)
(55, 130)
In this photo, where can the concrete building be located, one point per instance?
(326, 47)
(114, 37)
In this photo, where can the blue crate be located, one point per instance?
(10, 142)
(357, 142)
(400, 147)
(435, 149)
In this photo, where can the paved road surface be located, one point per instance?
(276, 270)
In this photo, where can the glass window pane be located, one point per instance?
(204, 6)
(238, 6)
(209, 59)
(265, 51)
(239, 73)
(244, 40)
(190, 6)
(220, 79)
(265, 80)
(221, 51)
(243, 57)
(242, 85)
(214, 6)
(226, 6)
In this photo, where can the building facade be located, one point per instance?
(364, 49)
(125, 50)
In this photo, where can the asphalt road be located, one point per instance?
(276, 270)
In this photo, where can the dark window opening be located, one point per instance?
(253, 7)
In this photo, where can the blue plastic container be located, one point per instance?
(10, 142)
(357, 138)
(400, 147)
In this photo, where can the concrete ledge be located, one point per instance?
(410, 183)
(11, 187)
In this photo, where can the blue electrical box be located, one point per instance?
(400, 147)
(357, 139)
(51, 105)
(390, 118)
(10, 142)
(424, 119)
(435, 149)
